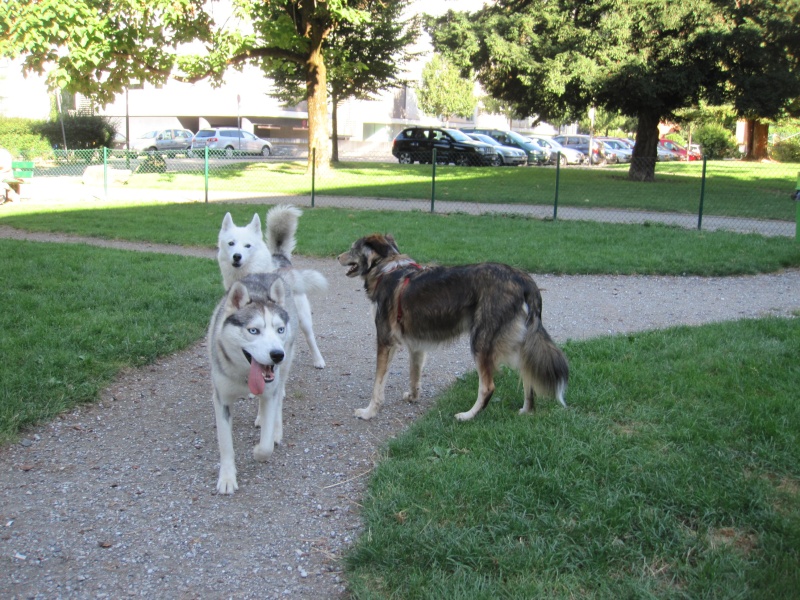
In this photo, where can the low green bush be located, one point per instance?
(18, 136)
(716, 141)
(787, 151)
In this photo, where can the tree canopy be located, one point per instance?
(444, 92)
(643, 58)
(100, 47)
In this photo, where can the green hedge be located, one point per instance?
(31, 139)
(787, 151)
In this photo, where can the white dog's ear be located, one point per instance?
(277, 291)
(227, 222)
(238, 296)
(255, 224)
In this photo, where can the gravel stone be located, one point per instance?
(117, 499)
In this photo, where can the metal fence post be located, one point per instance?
(702, 195)
(797, 209)
(105, 172)
(313, 174)
(433, 178)
(205, 170)
(558, 177)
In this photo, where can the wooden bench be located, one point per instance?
(22, 171)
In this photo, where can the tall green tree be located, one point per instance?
(643, 58)
(362, 59)
(98, 47)
(444, 92)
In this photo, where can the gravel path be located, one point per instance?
(117, 499)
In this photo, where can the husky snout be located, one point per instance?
(276, 356)
(237, 260)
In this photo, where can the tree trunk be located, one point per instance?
(316, 85)
(334, 128)
(756, 136)
(645, 155)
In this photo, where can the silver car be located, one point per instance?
(229, 141)
(569, 156)
(163, 139)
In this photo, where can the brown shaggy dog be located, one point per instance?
(499, 306)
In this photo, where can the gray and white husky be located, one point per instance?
(251, 346)
(243, 250)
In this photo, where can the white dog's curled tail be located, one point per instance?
(281, 229)
(308, 281)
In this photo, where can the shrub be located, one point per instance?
(716, 141)
(787, 151)
(19, 138)
(82, 132)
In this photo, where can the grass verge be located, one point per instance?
(73, 316)
(568, 247)
(674, 474)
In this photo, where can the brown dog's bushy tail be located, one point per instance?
(545, 370)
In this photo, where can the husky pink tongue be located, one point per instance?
(255, 379)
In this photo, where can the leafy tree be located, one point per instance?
(99, 47)
(362, 59)
(444, 92)
(643, 58)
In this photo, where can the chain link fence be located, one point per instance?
(732, 195)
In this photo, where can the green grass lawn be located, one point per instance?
(674, 474)
(73, 316)
(570, 247)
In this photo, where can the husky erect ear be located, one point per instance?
(227, 221)
(255, 224)
(277, 291)
(238, 295)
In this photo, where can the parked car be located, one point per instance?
(569, 156)
(681, 152)
(618, 148)
(661, 154)
(536, 154)
(416, 144)
(506, 155)
(230, 141)
(581, 143)
(163, 139)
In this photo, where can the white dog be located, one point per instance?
(243, 250)
(250, 347)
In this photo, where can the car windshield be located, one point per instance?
(486, 139)
(513, 135)
(149, 134)
(458, 136)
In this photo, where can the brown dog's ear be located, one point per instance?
(390, 240)
(383, 245)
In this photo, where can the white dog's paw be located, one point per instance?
(464, 416)
(226, 484)
(525, 411)
(319, 363)
(365, 413)
(262, 454)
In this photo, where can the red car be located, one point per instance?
(681, 152)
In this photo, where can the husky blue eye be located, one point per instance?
(253, 331)
(281, 330)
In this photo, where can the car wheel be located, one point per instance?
(265, 151)
(405, 158)
(562, 160)
(462, 160)
(497, 161)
